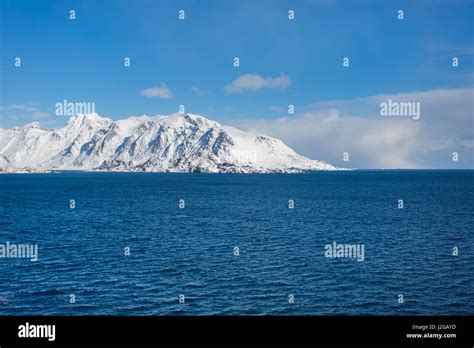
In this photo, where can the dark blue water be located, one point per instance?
(190, 251)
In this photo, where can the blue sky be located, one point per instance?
(299, 61)
(82, 59)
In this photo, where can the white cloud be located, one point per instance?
(162, 92)
(277, 108)
(197, 90)
(327, 129)
(40, 115)
(18, 113)
(21, 107)
(253, 82)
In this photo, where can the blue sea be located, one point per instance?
(235, 247)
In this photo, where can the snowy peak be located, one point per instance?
(174, 143)
(32, 125)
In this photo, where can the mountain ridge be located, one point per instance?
(173, 143)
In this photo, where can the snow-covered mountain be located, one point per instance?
(174, 143)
